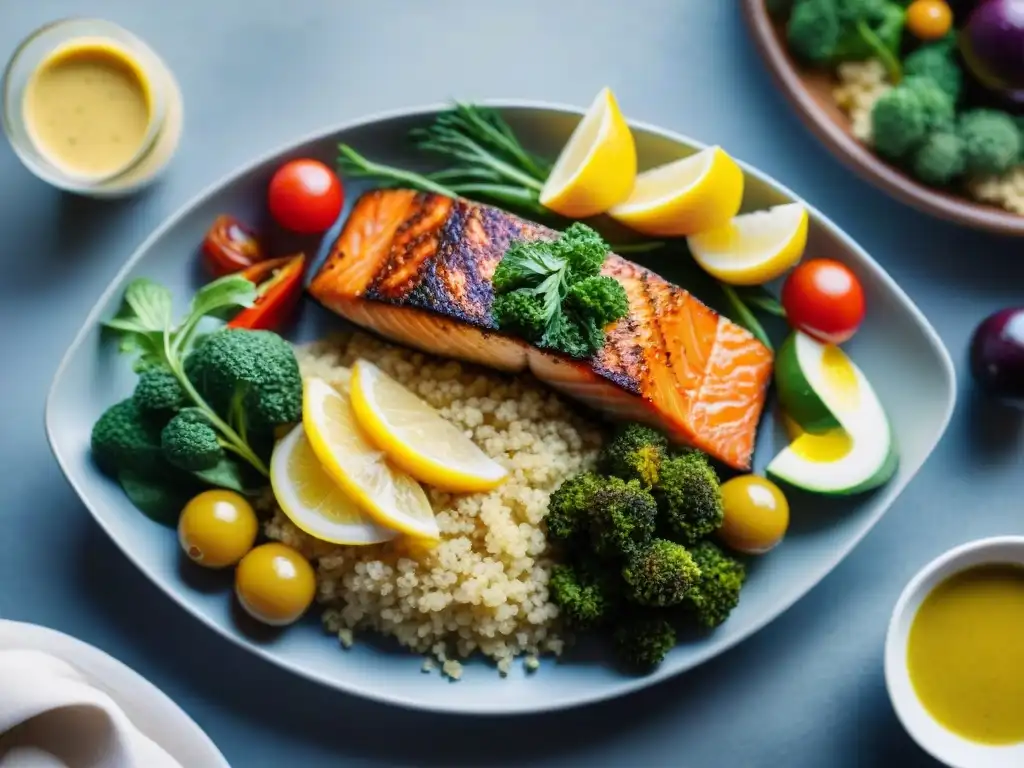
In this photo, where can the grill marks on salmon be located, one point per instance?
(416, 268)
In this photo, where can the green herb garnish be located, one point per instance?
(551, 293)
(487, 162)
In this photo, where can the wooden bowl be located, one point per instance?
(811, 93)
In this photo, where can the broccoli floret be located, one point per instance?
(813, 29)
(622, 518)
(125, 438)
(936, 61)
(717, 590)
(938, 108)
(635, 453)
(600, 298)
(689, 496)
(159, 391)
(827, 31)
(660, 575)
(246, 375)
(585, 594)
(940, 159)
(992, 142)
(897, 123)
(643, 641)
(190, 442)
(569, 506)
(903, 117)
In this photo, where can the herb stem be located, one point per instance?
(504, 193)
(354, 164)
(745, 317)
(444, 141)
(626, 248)
(881, 50)
(500, 136)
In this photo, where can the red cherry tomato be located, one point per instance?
(230, 247)
(824, 299)
(305, 196)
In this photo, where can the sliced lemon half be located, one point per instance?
(347, 455)
(416, 437)
(597, 166)
(313, 501)
(684, 197)
(755, 247)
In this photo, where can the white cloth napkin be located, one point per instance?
(52, 717)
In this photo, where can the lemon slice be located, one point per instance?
(684, 197)
(388, 494)
(416, 437)
(597, 166)
(753, 248)
(313, 501)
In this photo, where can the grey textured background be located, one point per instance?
(808, 691)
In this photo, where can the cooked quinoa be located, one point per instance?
(483, 588)
(1005, 190)
(861, 83)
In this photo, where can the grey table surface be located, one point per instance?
(806, 691)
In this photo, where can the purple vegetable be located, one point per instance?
(992, 44)
(997, 354)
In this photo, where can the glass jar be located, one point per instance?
(165, 118)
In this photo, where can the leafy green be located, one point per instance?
(155, 498)
(551, 293)
(227, 473)
(151, 303)
(145, 325)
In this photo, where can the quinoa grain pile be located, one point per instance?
(483, 588)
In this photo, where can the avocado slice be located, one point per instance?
(843, 443)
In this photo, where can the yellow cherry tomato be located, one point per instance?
(756, 514)
(275, 584)
(217, 528)
(929, 19)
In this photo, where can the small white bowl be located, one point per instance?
(942, 744)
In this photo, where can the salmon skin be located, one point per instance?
(416, 267)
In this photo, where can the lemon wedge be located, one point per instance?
(597, 166)
(753, 248)
(313, 501)
(416, 437)
(696, 193)
(389, 495)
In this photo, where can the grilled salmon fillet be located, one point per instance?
(416, 268)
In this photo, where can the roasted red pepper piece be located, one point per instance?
(278, 288)
(230, 247)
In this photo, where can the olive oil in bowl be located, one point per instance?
(965, 653)
(954, 655)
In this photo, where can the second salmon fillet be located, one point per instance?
(416, 268)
